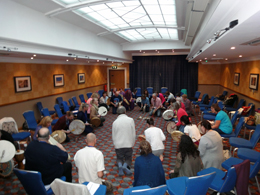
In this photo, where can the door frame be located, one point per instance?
(118, 68)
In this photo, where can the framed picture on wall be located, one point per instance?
(236, 78)
(253, 82)
(58, 80)
(22, 84)
(81, 78)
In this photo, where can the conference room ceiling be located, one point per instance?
(157, 27)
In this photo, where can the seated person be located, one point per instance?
(82, 115)
(222, 124)
(4, 135)
(128, 101)
(46, 158)
(94, 111)
(168, 97)
(134, 95)
(187, 104)
(188, 161)
(210, 147)
(162, 98)
(115, 101)
(148, 168)
(103, 100)
(63, 124)
(145, 104)
(179, 100)
(180, 113)
(94, 95)
(156, 106)
(191, 129)
(121, 92)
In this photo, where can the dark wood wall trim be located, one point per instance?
(51, 95)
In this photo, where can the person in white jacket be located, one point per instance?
(155, 137)
(123, 136)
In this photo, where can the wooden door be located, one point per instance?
(117, 79)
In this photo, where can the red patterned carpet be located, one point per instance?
(12, 185)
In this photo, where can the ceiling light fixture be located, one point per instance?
(214, 54)
(140, 50)
(173, 50)
(32, 58)
(144, 52)
(97, 60)
(67, 60)
(233, 48)
(158, 52)
(206, 58)
(34, 55)
(226, 59)
(240, 56)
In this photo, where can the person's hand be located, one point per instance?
(171, 171)
(173, 126)
(99, 116)
(169, 116)
(86, 123)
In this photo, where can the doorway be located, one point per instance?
(116, 79)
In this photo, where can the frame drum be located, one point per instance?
(176, 135)
(167, 114)
(95, 121)
(169, 127)
(7, 151)
(108, 101)
(77, 127)
(59, 136)
(102, 111)
(141, 138)
(139, 99)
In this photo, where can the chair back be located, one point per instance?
(59, 101)
(100, 92)
(57, 110)
(197, 94)
(150, 91)
(30, 119)
(82, 99)
(255, 168)
(39, 106)
(65, 106)
(163, 90)
(203, 97)
(239, 125)
(255, 137)
(220, 104)
(251, 109)
(74, 99)
(31, 181)
(160, 190)
(211, 100)
(225, 93)
(234, 118)
(127, 89)
(71, 103)
(139, 93)
(184, 91)
(89, 94)
(45, 112)
(230, 180)
(241, 103)
(193, 184)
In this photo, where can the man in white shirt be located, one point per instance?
(123, 135)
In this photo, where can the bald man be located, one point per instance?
(45, 158)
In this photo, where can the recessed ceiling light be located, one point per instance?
(140, 50)
(32, 58)
(103, 62)
(88, 61)
(196, 61)
(206, 58)
(67, 60)
(200, 60)
(214, 54)
(240, 56)
(226, 59)
(173, 50)
(158, 52)
(34, 55)
(112, 62)
(75, 58)
(97, 60)
(233, 48)
(144, 52)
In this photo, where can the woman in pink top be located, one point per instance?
(94, 95)
(162, 98)
(180, 113)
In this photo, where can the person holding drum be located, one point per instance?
(148, 168)
(63, 124)
(115, 101)
(128, 101)
(156, 105)
(94, 95)
(94, 111)
(155, 137)
(210, 147)
(188, 161)
(82, 115)
(145, 104)
(191, 129)
(162, 98)
(103, 100)
(222, 122)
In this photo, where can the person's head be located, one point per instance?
(95, 95)
(135, 91)
(143, 96)
(154, 96)
(69, 115)
(94, 101)
(167, 93)
(150, 122)
(104, 94)
(205, 126)
(83, 107)
(46, 121)
(178, 99)
(184, 97)
(145, 148)
(145, 92)
(121, 89)
(215, 108)
(187, 147)
(91, 139)
(121, 110)
(176, 106)
(117, 94)
(43, 134)
(114, 89)
(178, 95)
(185, 120)
(172, 101)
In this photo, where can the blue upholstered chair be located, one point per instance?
(100, 92)
(30, 119)
(89, 94)
(150, 91)
(82, 99)
(40, 107)
(45, 112)
(59, 100)
(196, 103)
(139, 93)
(223, 182)
(237, 142)
(160, 190)
(235, 117)
(196, 96)
(184, 91)
(240, 104)
(58, 111)
(128, 190)
(66, 108)
(237, 129)
(163, 90)
(190, 185)
(127, 89)
(32, 182)
(75, 101)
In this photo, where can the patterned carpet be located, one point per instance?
(12, 185)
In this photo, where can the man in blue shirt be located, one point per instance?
(115, 101)
(145, 104)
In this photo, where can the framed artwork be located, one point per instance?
(236, 78)
(22, 84)
(81, 78)
(253, 82)
(58, 80)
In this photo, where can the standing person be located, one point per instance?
(45, 158)
(188, 161)
(63, 124)
(148, 168)
(156, 105)
(128, 101)
(222, 124)
(191, 129)
(187, 104)
(115, 101)
(90, 163)
(123, 136)
(145, 104)
(94, 111)
(155, 137)
(210, 147)
(82, 115)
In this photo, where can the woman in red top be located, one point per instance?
(180, 112)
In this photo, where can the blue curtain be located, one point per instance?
(174, 72)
